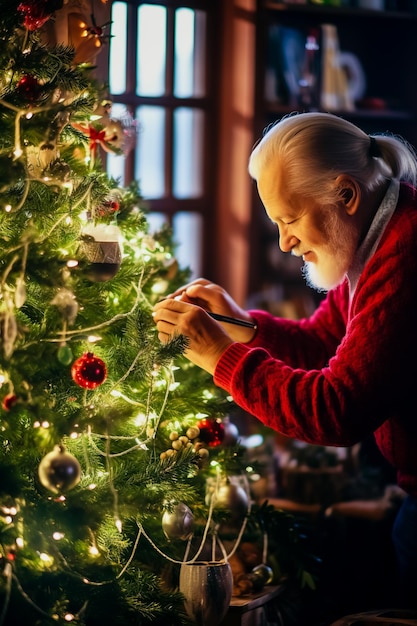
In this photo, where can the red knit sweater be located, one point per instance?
(351, 368)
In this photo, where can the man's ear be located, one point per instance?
(349, 192)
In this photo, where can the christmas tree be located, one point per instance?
(117, 461)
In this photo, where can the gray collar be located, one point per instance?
(374, 234)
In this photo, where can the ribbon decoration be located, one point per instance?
(96, 136)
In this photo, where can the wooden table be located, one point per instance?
(256, 609)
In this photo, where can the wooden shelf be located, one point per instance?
(327, 9)
(384, 45)
(382, 114)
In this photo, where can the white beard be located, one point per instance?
(321, 281)
(335, 258)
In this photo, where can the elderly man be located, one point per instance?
(346, 203)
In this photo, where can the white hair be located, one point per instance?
(310, 150)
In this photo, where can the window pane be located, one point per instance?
(156, 221)
(188, 237)
(115, 165)
(117, 61)
(151, 50)
(150, 151)
(189, 61)
(188, 152)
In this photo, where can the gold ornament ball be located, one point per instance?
(233, 498)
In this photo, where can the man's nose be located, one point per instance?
(286, 240)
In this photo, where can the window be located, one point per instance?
(158, 76)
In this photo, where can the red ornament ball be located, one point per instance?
(89, 371)
(29, 87)
(211, 431)
(9, 401)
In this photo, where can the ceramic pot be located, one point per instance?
(207, 590)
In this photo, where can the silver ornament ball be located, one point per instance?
(178, 523)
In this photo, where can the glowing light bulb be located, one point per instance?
(93, 338)
(159, 287)
(46, 558)
(140, 419)
(58, 536)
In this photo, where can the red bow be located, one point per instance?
(96, 137)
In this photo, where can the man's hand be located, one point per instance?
(207, 339)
